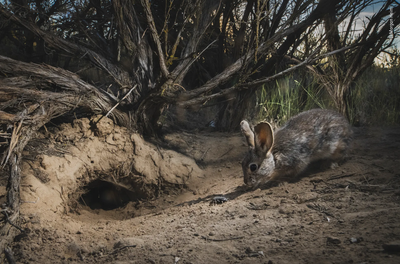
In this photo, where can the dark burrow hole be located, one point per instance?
(106, 195)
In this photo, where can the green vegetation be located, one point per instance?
(278, 101)
(375, 97)
(373, 100)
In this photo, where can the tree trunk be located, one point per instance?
(233, 111)
(340, 95)
(147, 116)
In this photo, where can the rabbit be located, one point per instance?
(317, 134)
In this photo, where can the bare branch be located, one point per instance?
(44, 76)
(121, 77)
(154, 34)
(207, 9)
(251, 85)
(262, 50)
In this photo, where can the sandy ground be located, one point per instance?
(345, 215)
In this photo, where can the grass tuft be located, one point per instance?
(374, 98)
(286, 97)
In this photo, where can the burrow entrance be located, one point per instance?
(101, 194)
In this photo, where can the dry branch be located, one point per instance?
(313, 58)
(154, 34)
(263, 50)
(6, 117)
(208, 10)
(9, 255)
(75, 92)
(120, 76)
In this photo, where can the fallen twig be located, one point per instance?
(37, 200)
(159, 151)
(14, 140)
(9, 255)
(11, 223)
(221, 240)
(319, 208)
(121, 248)
(340, 176)
(204, 154)
(115, 106)
(229, 150)
(126, 95)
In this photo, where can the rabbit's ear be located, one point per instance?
(247, 132)
(264, 137)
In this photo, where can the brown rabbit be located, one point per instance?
(317, 134)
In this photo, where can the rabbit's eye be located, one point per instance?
(253, 167)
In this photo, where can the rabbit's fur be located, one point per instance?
(317, 134)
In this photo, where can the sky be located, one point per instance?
(368, 13)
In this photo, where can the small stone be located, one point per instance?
(249, 250)
(356, 239)
(333, 240)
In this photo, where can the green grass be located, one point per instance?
(374, 98)
(286, 97)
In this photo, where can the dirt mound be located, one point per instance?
(74, 167)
